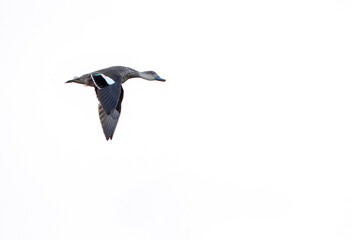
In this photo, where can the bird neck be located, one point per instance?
(145, 75)
(130, 73)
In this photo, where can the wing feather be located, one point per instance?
(110, 121)
(108, 91)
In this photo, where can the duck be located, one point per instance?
(107, 83)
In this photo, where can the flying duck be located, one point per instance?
(107, 84)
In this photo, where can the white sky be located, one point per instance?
(250, 137)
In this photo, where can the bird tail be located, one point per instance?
(85, 80)
(75, 80)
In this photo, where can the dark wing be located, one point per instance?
(108, 91)
(109, 121)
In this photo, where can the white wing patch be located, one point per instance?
(101, 80)
(108, 80)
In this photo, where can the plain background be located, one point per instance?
(250, 137)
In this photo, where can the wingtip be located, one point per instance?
(108, 122)
(107, 137)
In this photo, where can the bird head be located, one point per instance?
(151, 76)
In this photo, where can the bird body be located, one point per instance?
(115, 72)
(107, 83)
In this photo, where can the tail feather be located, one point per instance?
(76, 80)
(70, 81)
(85, 80)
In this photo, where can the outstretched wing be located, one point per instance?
(109, 121)
(108, 91)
